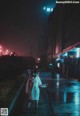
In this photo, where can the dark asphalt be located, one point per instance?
(60, 98)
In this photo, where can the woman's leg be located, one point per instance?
(36, 106)
(29, 104)
(37, 103)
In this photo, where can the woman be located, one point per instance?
(35, 90)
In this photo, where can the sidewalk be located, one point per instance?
(56, 100)
(45, 106)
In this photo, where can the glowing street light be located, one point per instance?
(11, 53)
(36, 66)
(48, 9)
(44, 8)
(38, 59)
(0, 50)
(7, 52)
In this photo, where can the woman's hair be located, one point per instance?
(34, 72)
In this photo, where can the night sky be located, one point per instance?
(22, 24)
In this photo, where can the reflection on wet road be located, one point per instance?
(65, 96)
(60, 98)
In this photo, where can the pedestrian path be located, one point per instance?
(65, 97)
(60, 98)
(44, 108)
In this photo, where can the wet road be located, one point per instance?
(60, 98)
(65, 96)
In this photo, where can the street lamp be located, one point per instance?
(48, 9)
(38, 59)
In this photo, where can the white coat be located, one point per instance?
(35, 92)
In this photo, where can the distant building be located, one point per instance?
(64, 29)
(63, 43)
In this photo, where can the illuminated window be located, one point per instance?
(78, 52)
